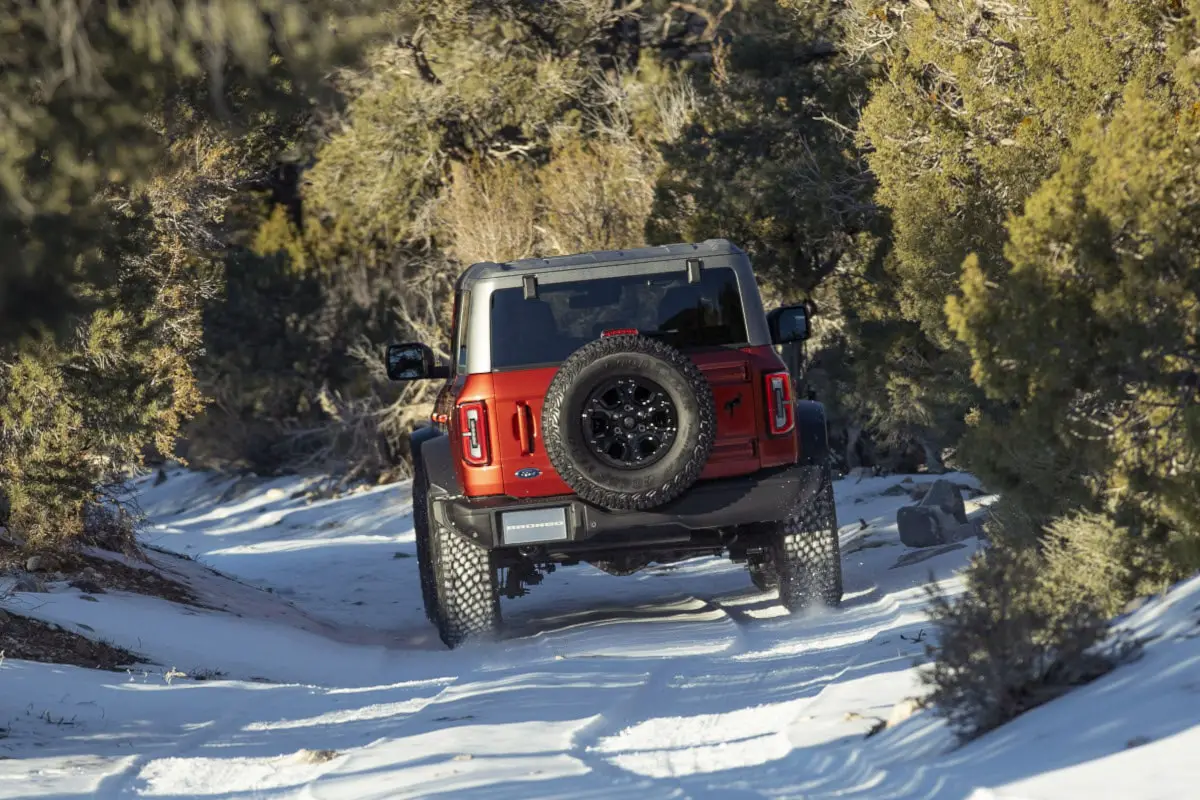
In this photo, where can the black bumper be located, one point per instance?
(763, 497)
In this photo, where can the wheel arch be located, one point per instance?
(813, 432)
(431, 454)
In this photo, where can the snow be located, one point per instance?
(682, 681)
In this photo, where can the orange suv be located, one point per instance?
(623, 409)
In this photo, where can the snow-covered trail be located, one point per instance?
(681, 681)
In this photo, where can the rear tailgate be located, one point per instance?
(741, 446)
(737, 378)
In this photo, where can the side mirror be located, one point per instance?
(789, 324)
(412, 361)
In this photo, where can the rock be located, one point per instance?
(903, 710)
(920, 527)
(316, 756)
(4, 617)
(945, 495)
(861, 472)
(87, 587)
(35, 564)
(940, 518)
(27, 583)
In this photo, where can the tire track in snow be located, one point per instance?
(657, 684)
(123, 783)
(696, 729)
(241, 717)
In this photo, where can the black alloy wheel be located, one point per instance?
(629, 422)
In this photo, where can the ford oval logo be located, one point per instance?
(528, 472)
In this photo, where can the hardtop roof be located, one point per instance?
(711, 247)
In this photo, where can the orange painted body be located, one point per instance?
(514, 411)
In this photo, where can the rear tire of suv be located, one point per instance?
(806, 555)
(671, 385)
(468, 597)
(420, 514)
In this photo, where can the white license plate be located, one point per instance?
(535, 525)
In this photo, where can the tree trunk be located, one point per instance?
(933, 459)
(853, 435)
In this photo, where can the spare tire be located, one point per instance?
(629, 422)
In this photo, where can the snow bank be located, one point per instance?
(679, 681)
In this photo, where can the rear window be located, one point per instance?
(566, 316)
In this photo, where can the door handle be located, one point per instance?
(525, 427)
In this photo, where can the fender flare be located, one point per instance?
(812, 432)
(431, 455)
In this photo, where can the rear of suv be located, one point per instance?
(622, 409)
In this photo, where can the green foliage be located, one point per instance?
(768, 161)
(280, 348)
(1014, 639)
(72, 415)
(86, 96)
(481, 131)
(1010, 644)
(1080, 321)
(126, 132)
(1038, 166)
(1087, 327)
(975, 107)
(1090, 557)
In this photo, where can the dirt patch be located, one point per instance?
(91, 574)
(122, 577)
(31, 640)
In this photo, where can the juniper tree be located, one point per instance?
(126, 130)
(975, 105)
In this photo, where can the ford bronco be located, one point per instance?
(622, 409)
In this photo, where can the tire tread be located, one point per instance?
(807, 554)
(467, 587)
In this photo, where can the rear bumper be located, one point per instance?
(763, 497)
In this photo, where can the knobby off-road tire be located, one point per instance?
(420, 513)
(468, 597)
(806, 555)
(669, 475)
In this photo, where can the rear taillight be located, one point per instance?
(472, 423)
(781, 414)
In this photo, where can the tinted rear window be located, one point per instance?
(566, 316)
